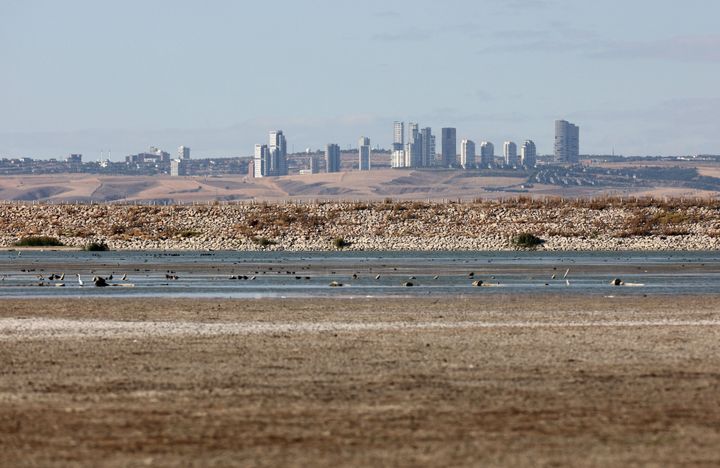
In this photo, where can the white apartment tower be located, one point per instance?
(528, 154)
(567, 142)
(398, 159)
(261, 162)
(510, 153)
(398, 136)
(467, 154)
(183, 153)
(487, 154)
(413, 147)
(364, 153)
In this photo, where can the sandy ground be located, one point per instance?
(398, 184)
(502, 381)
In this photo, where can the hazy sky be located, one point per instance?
(642, 76)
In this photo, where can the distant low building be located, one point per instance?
(153, 156)
(74, 159)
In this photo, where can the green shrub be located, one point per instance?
(262, 241)
(340, 243)
(96, 247)
(527, 241)
(38, 241)
(188, 233)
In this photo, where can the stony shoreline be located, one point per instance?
(478, 226)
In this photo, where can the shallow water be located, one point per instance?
(308, 274)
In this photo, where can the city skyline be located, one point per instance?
(81, 77)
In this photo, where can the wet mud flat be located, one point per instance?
(509, 380)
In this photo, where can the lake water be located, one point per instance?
(309, 274)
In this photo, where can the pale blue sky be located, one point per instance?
(89, 75)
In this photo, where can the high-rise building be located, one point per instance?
(313, 165)
(510, 153)
(427, 147)
(413, 146)
(448, 147)
(398, 136)
(413, 132)
(183, 153)
(567, 142)
(261, 161)
(178, 167)
(528, 154)
(487, 154)
(467, 154)
(413, 153)
(332, 157)
(278, 154)
(398, 159)
(364, 152)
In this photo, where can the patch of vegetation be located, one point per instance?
(263, 241)
(96, 247)
(663, 222)
(38, 241)
(341, 243)
(527, 241)
(188, 233)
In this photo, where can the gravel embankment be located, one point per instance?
(373, 226)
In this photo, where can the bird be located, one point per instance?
(567, 282)
(377, 277)
(435, 277)
(566, 273)
(80, 281)
(124, 277)
(110, 277)
(62, 277)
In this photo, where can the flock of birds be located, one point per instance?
(58, 280)
(100, 281)
(409, 283)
